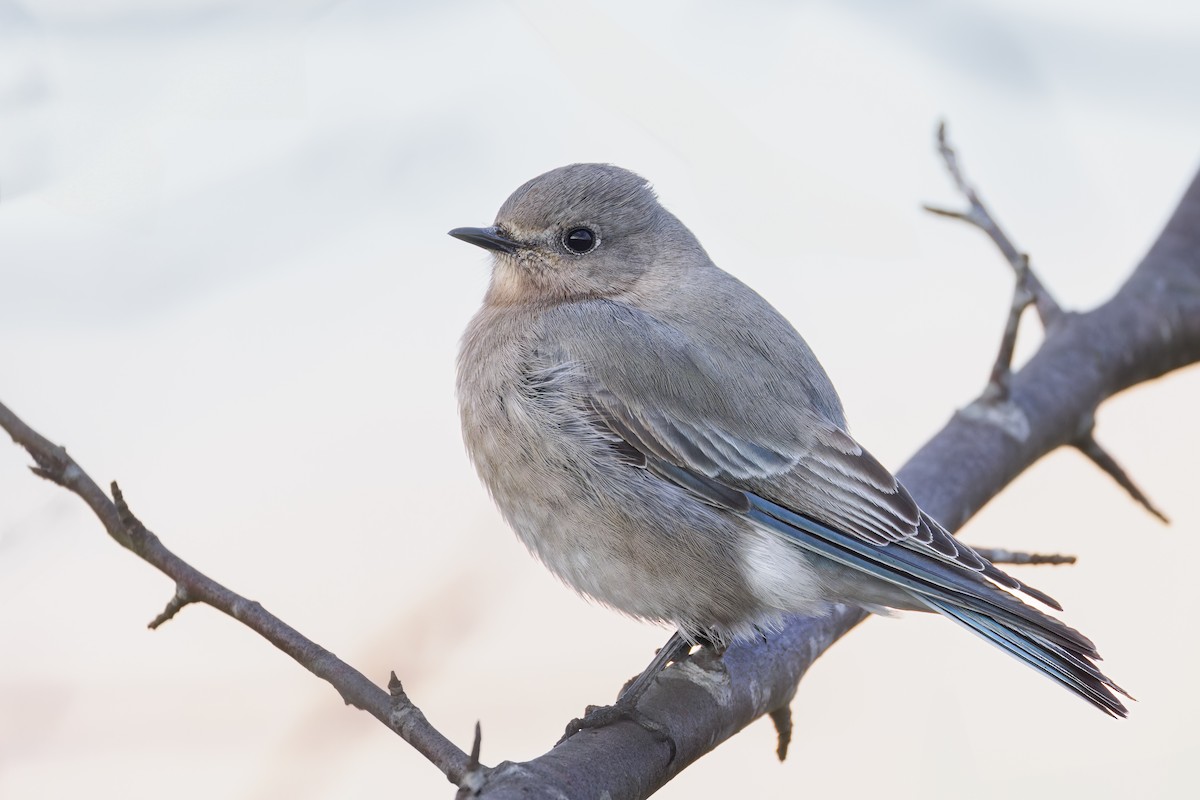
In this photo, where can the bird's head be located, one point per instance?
(580, 231)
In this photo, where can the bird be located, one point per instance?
(664, 441)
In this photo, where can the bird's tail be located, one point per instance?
(1028, 643)
(968, 597)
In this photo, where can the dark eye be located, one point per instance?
(580, 240)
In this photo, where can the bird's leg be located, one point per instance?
(676, 648)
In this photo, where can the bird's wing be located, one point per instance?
(739, 413)
(830, 479)
(704, 461)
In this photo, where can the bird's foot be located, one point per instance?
(676, 648)
(623, 709)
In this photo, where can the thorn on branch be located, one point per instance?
(53, 465)
(475, 746)
(174, 605)
(401, 707)
(128, 519)
(946, 212)
(135, 532)
(1088, 445)
(782, 718)
(998, 555)
(396, 690)
(473, 779)
(410, 723)
(46, 474)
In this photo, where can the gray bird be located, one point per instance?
(664, 441)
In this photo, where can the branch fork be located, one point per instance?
(1028, 290)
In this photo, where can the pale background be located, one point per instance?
(225, 281)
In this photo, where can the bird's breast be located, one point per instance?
(532, 456)
(609, 529)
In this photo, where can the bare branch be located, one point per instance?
(978, 215)
(998, 555)
(174, 605)
(472, 781)
(1028, 290)
(192, 586)
(1101, 458)
(1149, 328)
(782, 719)
(1001, 377)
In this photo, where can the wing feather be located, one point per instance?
(833, 481)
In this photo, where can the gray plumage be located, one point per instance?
(666, 443)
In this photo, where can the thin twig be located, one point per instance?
(998, 555)
(1000, 381)
(472, 782)
(1099, 456)
(192, 586)
(782, 719)
(174, 605)
(978, 215)
(1028, 290)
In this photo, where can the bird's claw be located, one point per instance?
(602, 716)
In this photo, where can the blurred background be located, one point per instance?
(225, 282)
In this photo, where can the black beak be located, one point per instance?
(488, 238)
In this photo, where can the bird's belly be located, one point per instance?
(623, 536)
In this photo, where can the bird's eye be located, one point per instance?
(580, 240)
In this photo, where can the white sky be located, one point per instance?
(225, 282)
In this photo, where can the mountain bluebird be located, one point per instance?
(665, 442)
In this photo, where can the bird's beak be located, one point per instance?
(489, 238)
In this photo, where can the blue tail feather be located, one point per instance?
(1061, 666)
(1042, 642)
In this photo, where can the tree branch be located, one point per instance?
(1149, 328)
(977, 214)
(1088, 445)
(1028, 290)
(393, 709)
(998, 555)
